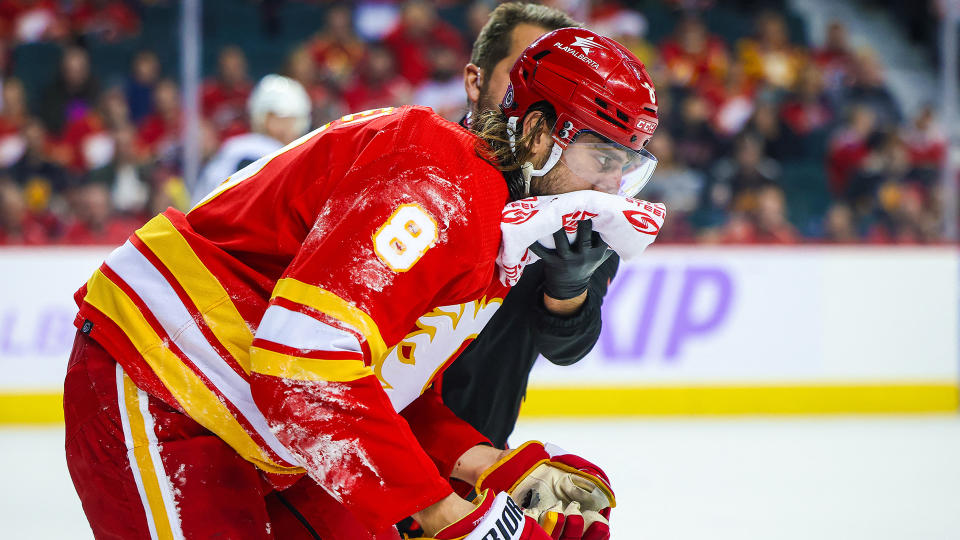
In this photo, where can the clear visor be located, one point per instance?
(608, 166)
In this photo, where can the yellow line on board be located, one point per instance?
(545, 402)
(607, 401)
(32, 408)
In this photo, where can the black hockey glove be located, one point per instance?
(567, 269)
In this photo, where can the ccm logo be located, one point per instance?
(642, 221)
(646, 126)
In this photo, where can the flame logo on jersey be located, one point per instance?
(570, 220)
(411, 366)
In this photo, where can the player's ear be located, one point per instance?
(540, 140)
(472, 80)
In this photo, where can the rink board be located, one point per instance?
(692, 330)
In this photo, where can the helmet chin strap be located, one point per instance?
(527, 168)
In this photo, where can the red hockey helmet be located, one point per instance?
(596, 86)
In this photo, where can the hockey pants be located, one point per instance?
(145, 470)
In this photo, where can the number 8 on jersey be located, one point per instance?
(405, 237)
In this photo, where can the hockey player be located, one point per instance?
(532, 320)
(293, 322)
(279, 111)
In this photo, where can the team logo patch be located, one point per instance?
(508, 97)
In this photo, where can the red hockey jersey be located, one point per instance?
(313, 296)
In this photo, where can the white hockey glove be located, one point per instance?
(569, 496)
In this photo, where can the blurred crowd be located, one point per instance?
(762, 139)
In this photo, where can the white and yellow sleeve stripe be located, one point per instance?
(192, 393)
(156, 490)
(332, 305)
(207, 293)
(286, 337)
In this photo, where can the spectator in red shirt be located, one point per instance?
(883, 171)
(808, 109)
(13, 106)
(224, 98)
(28, 21)
(106, 20)
(839, 226)
(848, 149)
(765, 224)
(378, 84)
(903, 217)
(418, 31)
(732, 100)
(835, 59)
(93, 218)
(336, 48)
(770, 218)
(161, 130)
(926, 140)
(90, 138)
(19, 226)
(13, 116)
(694, 57)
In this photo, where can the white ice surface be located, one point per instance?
(886, 478)
(774, 479)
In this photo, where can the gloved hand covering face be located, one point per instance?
(569, 266)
